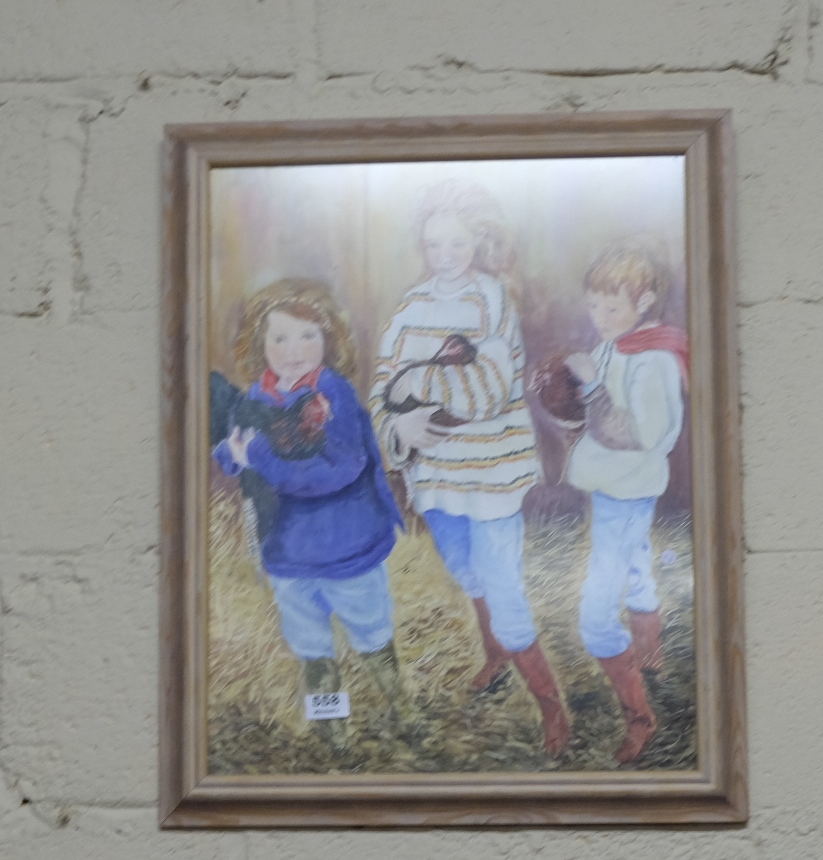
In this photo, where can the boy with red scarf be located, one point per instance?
(632, 387)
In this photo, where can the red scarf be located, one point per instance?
(269, 380)
(666, 337)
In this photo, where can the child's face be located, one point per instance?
(293, 347)
(449, 247)
(615, 314)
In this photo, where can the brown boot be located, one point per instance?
(385, 669)
(646, 635)
(641, 722)
(534, 668)
(497, 657)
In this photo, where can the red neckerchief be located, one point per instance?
(269, 380)
(667, 337)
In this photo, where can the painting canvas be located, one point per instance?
(446, 471)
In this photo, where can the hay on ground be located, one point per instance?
(256, 722)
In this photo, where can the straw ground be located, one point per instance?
(256, 721)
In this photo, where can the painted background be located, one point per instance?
(353, 227)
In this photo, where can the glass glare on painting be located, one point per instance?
(450, 494)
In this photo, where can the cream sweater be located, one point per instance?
(483, 468)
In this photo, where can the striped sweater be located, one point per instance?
(481, 469)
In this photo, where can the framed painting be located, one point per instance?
(451, 526)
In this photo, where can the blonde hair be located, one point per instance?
(637, 264)
(304, 299)
(478, 210)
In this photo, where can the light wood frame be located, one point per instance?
(717, 791)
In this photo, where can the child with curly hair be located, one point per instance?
(331, 524)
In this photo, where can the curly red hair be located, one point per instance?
(304, 299)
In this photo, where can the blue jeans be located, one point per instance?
(619, 572)
(362, 604)
(486, 559)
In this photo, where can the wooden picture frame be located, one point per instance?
(714, 789)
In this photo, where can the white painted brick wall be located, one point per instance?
(85, 87)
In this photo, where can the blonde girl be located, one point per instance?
(468, 481)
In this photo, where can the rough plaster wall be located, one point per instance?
(85, 87)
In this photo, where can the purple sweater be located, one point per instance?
(336, 516)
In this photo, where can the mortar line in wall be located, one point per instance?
(79, 278)
(68, 803)
(801, 550)
(780, 300)
(766, 68)
(812, 22)
(75, 553)
(95, 315)
(304, 46)
(139, 76)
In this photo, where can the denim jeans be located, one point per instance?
(486, 559)
(362, 604)
(619, 572)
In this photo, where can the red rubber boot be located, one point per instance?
(534, 668)
(641, 723)
(497, 657)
